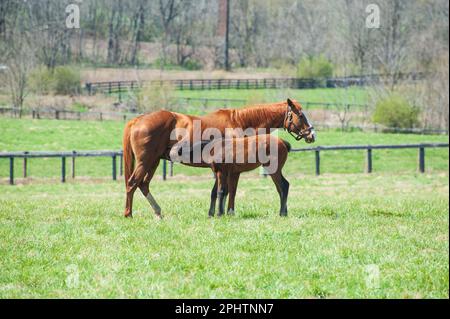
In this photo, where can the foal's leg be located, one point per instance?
(283, 189)
(221, 187)
(233, 180)
(212, 205)
(144, 186)
(134, 181)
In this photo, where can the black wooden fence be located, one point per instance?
(369, 148)
(265, 83)
(119, 155)
(64, 156)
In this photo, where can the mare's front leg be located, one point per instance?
(233, 180)
(212, 205)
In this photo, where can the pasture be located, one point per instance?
(353, 95)
(383, 235)
(347, 236)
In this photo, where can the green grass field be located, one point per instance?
(354, 95)
(383, 235)
(346, 236)
(351, 95)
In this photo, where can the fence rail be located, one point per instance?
(63, 155)
(420, 147)
(264, 83)
(119, 154)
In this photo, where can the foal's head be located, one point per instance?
(297, 124)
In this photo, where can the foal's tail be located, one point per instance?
(128, 156)
(288, 145)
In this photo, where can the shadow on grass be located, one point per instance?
(318, 212)
(385, 213)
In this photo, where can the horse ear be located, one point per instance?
(290, 103)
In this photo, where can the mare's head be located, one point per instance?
(297, 124)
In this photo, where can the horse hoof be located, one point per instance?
(231, 212)
(159, 216)
(128, 215)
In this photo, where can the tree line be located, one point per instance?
(289, 35)
(413, 35)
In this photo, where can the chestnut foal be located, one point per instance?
(263, 150)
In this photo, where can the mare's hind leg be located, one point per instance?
(134, 181)
(283, 189)
(145, 189)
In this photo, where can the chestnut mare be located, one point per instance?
(244, 159)
(147, 138)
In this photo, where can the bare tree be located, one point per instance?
(168, 11)
(391, 52)
(19, 61)
(138, 29)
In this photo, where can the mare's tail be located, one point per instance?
(128, 156)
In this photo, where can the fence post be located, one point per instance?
(171, 169)
(25, 166)
(89, 88)
(121, 164)
(114, 168)
(317, 161)
(164, 170)
(73, 164)
(63, 169)
(11, 170)
(369, 160)
(422, 159)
